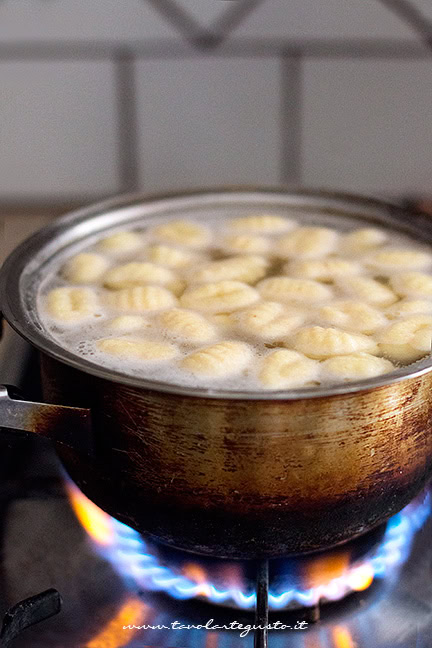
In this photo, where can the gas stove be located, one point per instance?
(83, 580)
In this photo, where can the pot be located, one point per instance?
(229, 474)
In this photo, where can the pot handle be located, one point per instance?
(64, 426)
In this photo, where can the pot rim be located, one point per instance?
(20, 270)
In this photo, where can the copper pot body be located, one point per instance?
(245, 478)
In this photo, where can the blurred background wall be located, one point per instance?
(100, 96)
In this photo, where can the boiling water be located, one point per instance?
(82, 337)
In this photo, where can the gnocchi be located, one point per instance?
(183, 233)
(355, 367)
(246, 244)
(285, 369)
(408, 339)
(239, 268)
(187, 325)
(395, 259)
(85, 268)
(307, 243)
(220, 360)
(136, 274)
(353, 315)
(219, 296)
(128, 323)
(412, 284)
(121, 243)
(322, 269)
(141, 298)
(323, 342)
(140, 349)
(288, 289)
(367, 289)
(362, 240)
(170, 256)
(71, 305)
(268, 320)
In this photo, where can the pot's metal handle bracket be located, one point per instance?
(67, 426)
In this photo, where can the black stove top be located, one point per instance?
(44, 545)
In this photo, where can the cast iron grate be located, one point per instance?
(27, 613)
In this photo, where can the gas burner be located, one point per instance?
(294, 582)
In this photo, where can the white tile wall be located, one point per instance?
(367, 125)
(208, 121)
(57, 133)
(57, 20)
(297, 19)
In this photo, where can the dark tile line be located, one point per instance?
(181, 19)
(127, 121)
(168, 49)
(291, 101)
(411, 16)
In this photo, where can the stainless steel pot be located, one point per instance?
(239, 474)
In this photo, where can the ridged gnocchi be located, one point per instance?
(85, 268)
(285, 369)
(409, 307)
(238, 268)
(307, 243)
(244, 301)
(136, 274)
(246, 244)
(358, 366)
(147, 350)
(187, 326)
(288, 289)
(353, 315)
(141, 298)
(412, 284)
(219, 360)
(121, 243)
(128, 323)
(362, 240)
(171, 257)
(396, 259)
(367, 289)
(322, 269)
(219, 297)
(72, 305)
(323, 342)
(183, 232)
(268, 320)
(408, 339)
(262, 224)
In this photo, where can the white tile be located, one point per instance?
(207, 121)
(297, 19)
(53, 20)
(367, 125)
(58, 132)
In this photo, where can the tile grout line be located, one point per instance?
(183, 21)
(411, 16)
(291, 100)
(127, 121)
(231, 19)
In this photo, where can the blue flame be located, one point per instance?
(133, 558)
